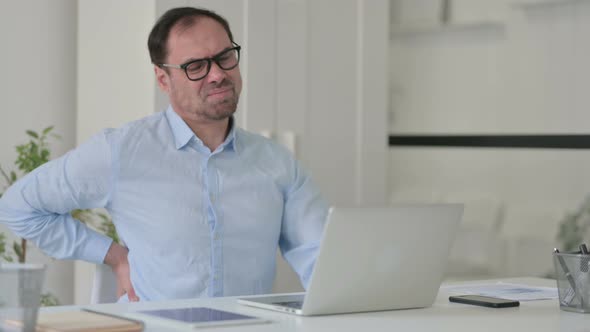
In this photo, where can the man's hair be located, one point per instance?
(183, 17)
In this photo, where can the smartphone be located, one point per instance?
(484, 301)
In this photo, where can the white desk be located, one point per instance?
(539, 316)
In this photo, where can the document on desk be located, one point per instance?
(503, 290)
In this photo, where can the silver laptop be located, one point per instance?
(374, 259)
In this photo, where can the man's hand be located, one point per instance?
(116, 258)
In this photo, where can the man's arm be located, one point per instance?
(37, 207)
(303, 222)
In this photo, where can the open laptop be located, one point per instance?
(374, 259)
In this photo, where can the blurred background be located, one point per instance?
(365, 93)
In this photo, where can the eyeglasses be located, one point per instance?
(197, 69)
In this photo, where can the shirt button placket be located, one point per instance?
(216, 268)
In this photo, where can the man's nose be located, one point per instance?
(216, 74)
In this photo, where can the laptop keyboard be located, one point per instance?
(290, 304)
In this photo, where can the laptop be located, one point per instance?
(373, 259)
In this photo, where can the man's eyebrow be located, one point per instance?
(195, 59)
(191, 60)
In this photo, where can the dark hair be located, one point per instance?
(183, 16)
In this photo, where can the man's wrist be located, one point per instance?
(115, 255)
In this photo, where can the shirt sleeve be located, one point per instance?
(303, 222)
(37, 207)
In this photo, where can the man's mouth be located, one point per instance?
(219, 91)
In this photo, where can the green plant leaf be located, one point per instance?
(47, 130)
(32, 134)
(2, 244)
(85, 216)
(49, 300)
(17, 250)
(12, 177)
(44, 155)
(101, 222)
(108, 228)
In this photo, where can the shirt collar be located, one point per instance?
(183, 133)
(230, 140)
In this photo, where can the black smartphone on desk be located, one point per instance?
(484, 301)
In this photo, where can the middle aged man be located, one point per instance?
(201, 204)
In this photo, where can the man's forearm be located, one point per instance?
(31, 216)
(59, 236)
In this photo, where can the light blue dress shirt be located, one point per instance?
(197, 223)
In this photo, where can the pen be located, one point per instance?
(571, 293)
(584, 258)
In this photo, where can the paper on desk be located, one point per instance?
(505, 291)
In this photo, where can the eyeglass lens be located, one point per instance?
(200, 68)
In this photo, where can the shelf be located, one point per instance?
(536, 3)
(422, 29)
(550, 141)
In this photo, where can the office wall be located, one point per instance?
(115, 75)
(38, 89)
(522, 70)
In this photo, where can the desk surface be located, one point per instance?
(542, 315)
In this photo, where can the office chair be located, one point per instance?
(104, 285)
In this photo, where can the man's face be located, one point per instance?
(212, 98)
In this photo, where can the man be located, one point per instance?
(201, 204)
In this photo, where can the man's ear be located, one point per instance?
(162, 78)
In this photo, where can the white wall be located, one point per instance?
(527, 73)
(38, 89)
(115, 75)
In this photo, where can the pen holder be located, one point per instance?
(573, 281)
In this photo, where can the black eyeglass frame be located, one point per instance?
(216, 58)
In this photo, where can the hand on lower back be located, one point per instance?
(116, 258)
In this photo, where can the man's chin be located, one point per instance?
(218, 115)
(223, 110)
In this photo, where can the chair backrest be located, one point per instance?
(104, 285)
